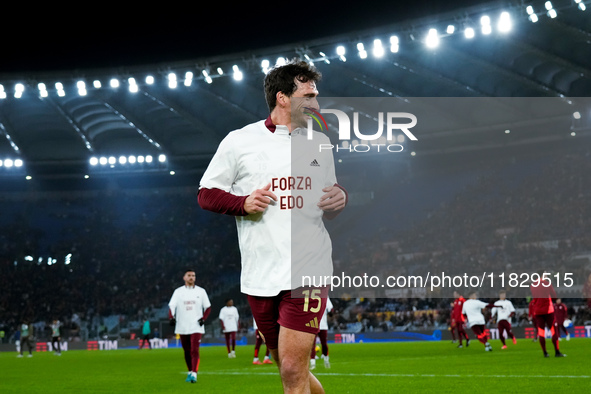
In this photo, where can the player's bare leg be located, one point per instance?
(292, 359)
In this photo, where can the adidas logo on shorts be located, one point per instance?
(315, 163)
(313, 323)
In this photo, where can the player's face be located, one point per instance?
(189, 278)
(302, 100)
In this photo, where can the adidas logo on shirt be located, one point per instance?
(314, 163)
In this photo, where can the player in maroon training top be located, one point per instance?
(561, 314)
(457, 319)
(543, 311)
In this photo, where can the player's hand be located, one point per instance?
(259, 200)
(332, 200)
(201, 321)
(172, 322)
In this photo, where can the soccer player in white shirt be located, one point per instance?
(472, 309)
(279, 186)
(189, 307)
(503, 311)
(229, 319)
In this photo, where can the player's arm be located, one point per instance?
(220, 201)
(172, 309)
(202, 320)
(259, 200)
(333, 201)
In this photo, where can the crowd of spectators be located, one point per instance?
(126, 249)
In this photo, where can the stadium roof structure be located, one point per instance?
(56, 121)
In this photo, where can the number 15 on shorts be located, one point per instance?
(314, 295)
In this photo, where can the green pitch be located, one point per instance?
(429, 367)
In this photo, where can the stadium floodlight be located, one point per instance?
(394, 44)
(188, 78)
(280, 61)
(131, 159)
(8, 163)
(548, 5)
(150, 80)
(19, 88)
(93, 161)
(577, 115)
(529, 10)
(432, 39)
(172, 172)
(161, 158)
(361, 50)
(265, 64)
(237, 75)
(172, 81)
(42, 89)
(378, 49)
(504, 24)
(114, 83)
(2, 92)
(140, 159)
(533, 18)
(133, 88)
(103, 161)
(469, 33)
(28, 177)
(220, 71)
(122, 160)
(81, 88)
(18, 163)
(97, 84)
(552, 13)
(485, 25)
(450, 29)
(149, 159)
(582, 6)
(341, 50)
(112, 160)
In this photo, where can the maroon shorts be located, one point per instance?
(301, 310)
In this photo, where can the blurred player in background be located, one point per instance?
(457, 319)
(502, 312)
(530, 317)
(543, 310)
(56, 337)
(146, 331)
(229, 319)
(257, 347)
(322, 335)
(26, 330)
(189, 307)
(253, 176)
(472, 309)
(561, 314)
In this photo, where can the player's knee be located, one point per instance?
(292, 370)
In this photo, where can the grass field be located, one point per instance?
(413, 367)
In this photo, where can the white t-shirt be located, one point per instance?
(473, 309)
(289, 239)
(229, 316)
(503, 310)
(324, 320)
(187, 305)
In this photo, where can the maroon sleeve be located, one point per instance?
(334, 214)
(219, 201)
(206, 313)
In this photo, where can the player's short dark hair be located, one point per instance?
(189, 270)
(282, 79)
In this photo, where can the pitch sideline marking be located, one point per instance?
(400, 375)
